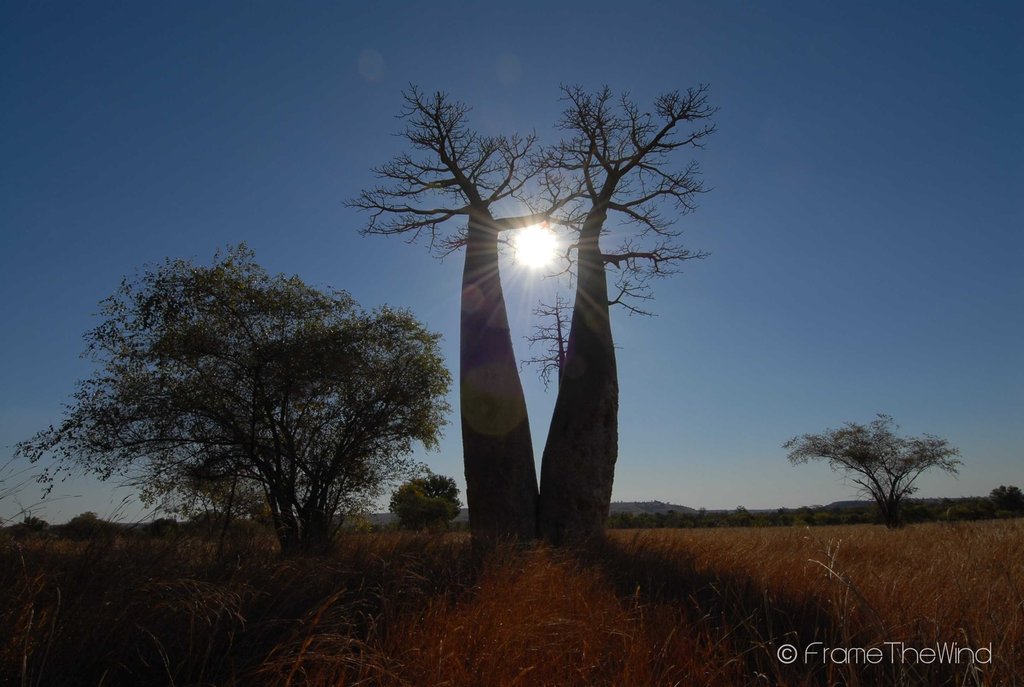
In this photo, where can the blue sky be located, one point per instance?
(865, 222)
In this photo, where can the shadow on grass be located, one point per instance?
(169, 611)
(748, 620)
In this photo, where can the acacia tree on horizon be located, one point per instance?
(463, 175)
(883, 465)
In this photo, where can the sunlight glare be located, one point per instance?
(535, 246)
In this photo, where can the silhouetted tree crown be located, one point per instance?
(426, 502)
(626, 160)
(227, 372)
(1007, 498)
(884, 465)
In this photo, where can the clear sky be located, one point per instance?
(865, 222)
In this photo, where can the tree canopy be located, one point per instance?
(884, 465)
(228, 372)
(1008, 498)
(431, 501)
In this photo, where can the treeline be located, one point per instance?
(90, 527)
(1004, 502)
(946, 510)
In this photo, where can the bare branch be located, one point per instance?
(630, 292)
(623, 157)
(553, 335)
(460, 174)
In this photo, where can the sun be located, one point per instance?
(535, 246)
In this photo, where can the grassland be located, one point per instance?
(666, 607)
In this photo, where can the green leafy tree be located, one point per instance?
(885, 466)
(208, 374)
(88, 525)
(1007, 498)
(426, 502)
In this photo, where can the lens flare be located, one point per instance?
(535, 246)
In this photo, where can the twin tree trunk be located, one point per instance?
(582, 445)
(579, 458)
(501, 479)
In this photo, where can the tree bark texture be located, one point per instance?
(501, 478)
(578, 466)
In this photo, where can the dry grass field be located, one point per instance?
(657, 607)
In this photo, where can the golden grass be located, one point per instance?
(658, 607)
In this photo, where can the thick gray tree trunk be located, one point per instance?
(579, 458)
(501, 478)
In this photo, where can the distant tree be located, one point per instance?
(205, 497)
(426, 502)
(553, 336)
(34, 524)
(971, 509)
(88, 525)
(162, 527)
(1007, 498)
(30, 526)
(211, 500)
(449, 189)
(740, 517)
(885, 466)
(207, 374)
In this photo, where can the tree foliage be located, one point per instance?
(884, 465)
(1009, 498)
(426, 502)
(211, 373)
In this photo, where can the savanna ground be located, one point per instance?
(666, 607)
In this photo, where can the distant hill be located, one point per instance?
(635, 507)
(927, 501)
(641, 507)
(638, 507)
(849, 505)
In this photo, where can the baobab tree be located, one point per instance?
(448, 194)
(623, 157)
